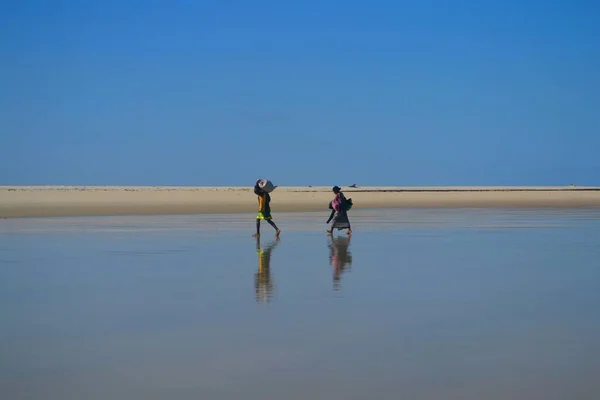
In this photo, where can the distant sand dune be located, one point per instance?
(46, 201)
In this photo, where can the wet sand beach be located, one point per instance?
(48, 201)
(443, 303)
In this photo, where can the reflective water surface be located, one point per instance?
(417, 304)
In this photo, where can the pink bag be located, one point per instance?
(337, 204)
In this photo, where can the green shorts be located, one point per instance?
(263, 216)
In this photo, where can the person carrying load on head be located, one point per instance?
(262, 189)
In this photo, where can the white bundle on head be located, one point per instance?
(266, 185)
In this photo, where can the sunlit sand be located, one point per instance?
(45, 201)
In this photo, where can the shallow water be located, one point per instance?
(419, 304)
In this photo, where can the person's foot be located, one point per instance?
(330, 233)
(277, 232)
(256, 235)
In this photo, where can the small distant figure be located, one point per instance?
(264, 210)
(339, 212)
(353, 186)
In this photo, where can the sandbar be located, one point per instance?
(55, 201)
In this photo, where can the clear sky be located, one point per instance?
(223, 92)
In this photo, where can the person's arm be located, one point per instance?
(261, 203)
(331, 216)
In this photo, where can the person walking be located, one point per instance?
(264, 210)
(339, 212)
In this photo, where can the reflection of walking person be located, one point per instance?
(263, 286)
(264, 210)
(339, 212)
(340, 258)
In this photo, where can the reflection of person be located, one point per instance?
(264, 210)
(340, 258)
(339, 212)
(262, 279)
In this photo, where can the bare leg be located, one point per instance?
(277, 230)
(257, 234)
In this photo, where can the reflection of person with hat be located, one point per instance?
(263, 286)
(339, 212)
(340, 258)
(264, 208)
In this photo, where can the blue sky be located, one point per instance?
(301, 92)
